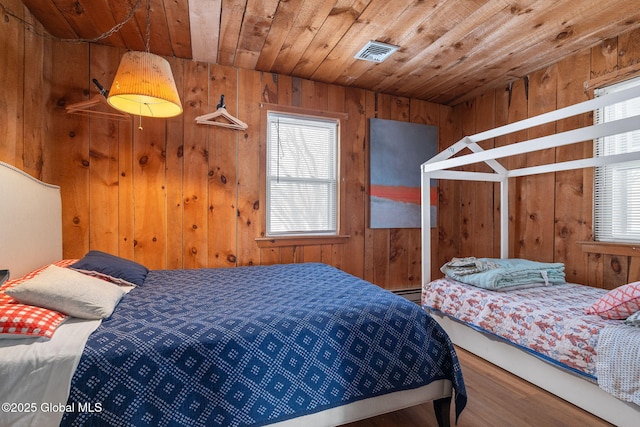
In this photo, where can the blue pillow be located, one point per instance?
(112, 268)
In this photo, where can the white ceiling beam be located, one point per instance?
(204, 18)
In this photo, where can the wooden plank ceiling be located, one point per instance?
(450, 50)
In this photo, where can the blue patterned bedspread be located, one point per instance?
(252, 346)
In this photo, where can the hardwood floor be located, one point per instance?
(496, 398)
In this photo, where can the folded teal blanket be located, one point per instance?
(497, 274)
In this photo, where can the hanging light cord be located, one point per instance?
(33, 29)
(146, 47)
(148, 35)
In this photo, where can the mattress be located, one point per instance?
(547, 321)
(254, 346)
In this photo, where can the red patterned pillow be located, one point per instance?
(22, 320)
(618, 303)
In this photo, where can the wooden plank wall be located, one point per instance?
(550, 215)
(23, 58)
(180, 195)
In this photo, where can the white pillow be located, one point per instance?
(69, 292)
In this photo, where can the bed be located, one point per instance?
(568, 383)
(276, 345)
(544, 335)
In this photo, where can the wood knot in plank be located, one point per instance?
(616, 266)
(564, 34)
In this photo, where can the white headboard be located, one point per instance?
(30, 222)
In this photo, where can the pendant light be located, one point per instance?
(144, 83)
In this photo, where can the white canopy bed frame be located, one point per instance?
(564, 384)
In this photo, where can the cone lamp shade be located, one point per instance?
(144, 86)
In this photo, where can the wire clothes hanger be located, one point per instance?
(88, 108)
(221, 112)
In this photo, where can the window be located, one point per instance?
(301, 175)
(617, 187)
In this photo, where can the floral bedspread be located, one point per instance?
(548, 321)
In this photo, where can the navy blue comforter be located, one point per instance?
(252, 346)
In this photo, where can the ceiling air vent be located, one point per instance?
(376, 51)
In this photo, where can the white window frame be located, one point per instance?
(616, 200)
(274, 149)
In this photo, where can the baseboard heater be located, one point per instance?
(413, 294)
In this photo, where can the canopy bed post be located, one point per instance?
(504, 218)
(426, 227)
(499, 174)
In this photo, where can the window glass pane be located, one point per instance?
(302, 207)
(617, 187)
(301, 175)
